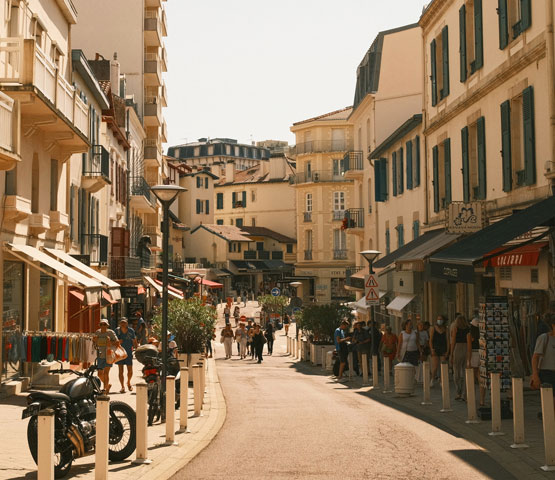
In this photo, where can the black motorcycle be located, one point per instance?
(75, 421)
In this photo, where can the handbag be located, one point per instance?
(110, 356)
(120, 354)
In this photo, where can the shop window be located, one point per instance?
(505, 273)
(534, 275)
(47, 302)
(471, 48)
(12, 318)
(439, 60)
(473, 145)
(442, 174)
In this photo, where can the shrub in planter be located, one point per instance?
(319, 322)
(271, 304)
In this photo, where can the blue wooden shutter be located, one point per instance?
(415, 229)
(525, 14)
(433, 75)
(447, 162)
(244, 201)
(506, 146)
(465, 166)
(207, 207)
(409, 165)
(384, 184)
(482, 181)
(435, 162)
(445, 60)
(462, 40)
(198, 206)
(387, 242)
(503, 24)
(401, 172)
(377, 182)
(478, 36)
(219, 201)
(529, 135)
(417, 156)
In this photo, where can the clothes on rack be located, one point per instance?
(65, 347)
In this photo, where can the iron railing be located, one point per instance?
(96, 246)
(354, 218)
(139, 186)
(353, 282)
(339, 254)
(97, 163)
(249, 254)
(353, 160)
(125, 267)
(318, 177)
(277, 255)
(307, 216)
(337, 214)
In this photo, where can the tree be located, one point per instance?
(320, 321)
(271, 304)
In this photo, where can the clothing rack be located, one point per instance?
(73, 347)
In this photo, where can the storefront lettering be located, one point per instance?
(451, 272)
(506, 260)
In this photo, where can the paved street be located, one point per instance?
(285, 422)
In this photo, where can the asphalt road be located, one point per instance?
(286, 422)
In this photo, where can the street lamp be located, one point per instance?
(166, 194)
(296, 285)
(370, 256)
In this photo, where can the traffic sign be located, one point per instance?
(296, 310)
(275, 292)
(371, 290)
(370, 281)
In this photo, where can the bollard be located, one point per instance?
(288, 345)
(518, 414)
(45, 454)
(445, 396)
(102, 436)
(142, 421)
(170, 410)
(386, 376)
(548, 419)
(426, 396)
(375, 372)
(323, 357)
(184, 400)
(351, 367)
(196, 390)
(202, 381)
(495, 386)
(471, 397)
(365, 369)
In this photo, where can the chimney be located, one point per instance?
(114, 75)
(230, 172)
(277, 166)
(264, 167)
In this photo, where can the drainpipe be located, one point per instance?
(551, 81)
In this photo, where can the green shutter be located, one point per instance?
(503, 24)
(71, 213)
(219, 201)
(506, 146)
(387, 242)
(445, 59)
(401, 172)
(207, 206)
(482, 181)
(409, 165)
(529, 135)
(478, 36)
(447, 163)
(244, 201)
(377, 182)
(433, 76)
(465, 166)
(462, 40)
(394, 172)
(435, 155)
(417, 169)
(233, 199)
(525, 14)
(384, 184)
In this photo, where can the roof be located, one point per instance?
(403, 130)
(81, 65)
(266, 232)
(342, 114)
(254, 175)
(229, 233)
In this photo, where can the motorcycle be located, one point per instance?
(75, 421)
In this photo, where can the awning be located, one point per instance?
(400, 302)
(525, 256)
(174, 292)
(140, 290)
(152, 283)
(210, 284)
(31, 254)
(175, 278)
(277, 265)
(78, 295)
(361, 273)
(432, 244)
(223, 272)
(106, 296)
(112, 286)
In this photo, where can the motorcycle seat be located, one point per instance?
(49, 396)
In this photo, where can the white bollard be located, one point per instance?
(295, 349)
(364, 369)
(426, 395)
(288, 347)
(202, 363)
(170, 410)
(386, 376)
(184, 400)
(471, 397)
(495, 386)
(142, 421)
(102, 437)
(445, 394)
(375, 372)
(45, 445)
(196, 390)
(351, 367)
(548, 419)
(518, 414)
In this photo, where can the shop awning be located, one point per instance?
(106, 296)
(78, 295)
(525, 256)
(277, 265)
(112, 286)
(152, 283)
(431, 245)
(361, 273)
(210, 284)
(175, 278)
(222, 272)
(360, 305)
(141, 290)
(400, 302)
(174, 292)
(31, 254)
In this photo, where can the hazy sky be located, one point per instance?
(248, 69)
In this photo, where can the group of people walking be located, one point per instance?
(250, 339)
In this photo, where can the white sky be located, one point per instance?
(248, 69)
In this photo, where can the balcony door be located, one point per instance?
(337, 139)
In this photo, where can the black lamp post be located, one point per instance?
(370, 256)
(296, 285)
(166, 194)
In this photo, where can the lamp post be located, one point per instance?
(370, 256)
(166, 194)
(296, 285)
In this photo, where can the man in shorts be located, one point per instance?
(342, 348)
(105, 339)
(544, 371)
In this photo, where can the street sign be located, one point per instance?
(275, 292)
(296, 302)
(371, 290)
(296, 310)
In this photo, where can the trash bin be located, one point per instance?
(404, 379)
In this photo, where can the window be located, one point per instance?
(415, 229)
(534, 275)
(220, 201)
(199, 204)
(210, 150)
(253, 222)
(253, 195)
(380, 180)
(239, 199)
(308, 203)
(259, 246)
(339, 167)
(199, 182)
(239, 222)
(338, 201)
(289, 248)
(337, 139)
(206, 182)
(471, 48)
(515, 16)
(11, 181)
(473, 144)
(308, 171)
(219, 221)
(308, 240)
(439, 60)
(397, 172)
(387, 242)
(442, 174)
(339, 239)
(207, 207)
(518, 142)
(400, 235)
(413, 163)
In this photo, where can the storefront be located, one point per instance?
(12, 318)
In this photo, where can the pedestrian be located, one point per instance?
(407, 350)
(227, 311)
(475, 356)
(258, 341)
(543, 360)
(141, 331)
(439, 346)
(375, 339)
(461, 346)
(286, 323)
(389, 347)
(227, 339)
(104, 340)
(211, 336)
(342, 347)
(362, 342)
(250, 341)
(241, 337)
(236, 315)
(423, 347)
(128, 340)
(270, 335)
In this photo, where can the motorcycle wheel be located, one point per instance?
(64, 459)
(123, 431)
(153, 408)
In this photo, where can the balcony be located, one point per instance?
(153, 112)
(58, 221)
(322, 146)
(320, 176)
(164, 58)
(9, 133)
(339, 254)
(337, 215)
(155, 235)
(238, 204)
(153, 28)
(355, 283)
(263, 255)
(141, 198)
(164, 94)
(153, 70)
(125, 268)
(354, 164)
(307, 217)
(249, 255)
(96, 169)
(353, 221)
(277, 254)
(49, 103)
(16, 208)
(153, 3)
(164, 24)
(39, 223)
(308, 254)
(152, 152)
(96, 247)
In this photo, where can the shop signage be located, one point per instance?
(128, 292)
(516, 259)
(465, 217)
(450, 272)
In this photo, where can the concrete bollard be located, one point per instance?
(471, 397)
(548, 419)
(351, 367)
(445, 394)
(518, 414)
(202, 363)
(142, 422)
(365, 369)
(184, 400)
(170, 410)
(45, 454)
(375, 372)
(102, 437)
(196, 390)
(386, 376)
(288, 351)
(426, 395)
(495, 386)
